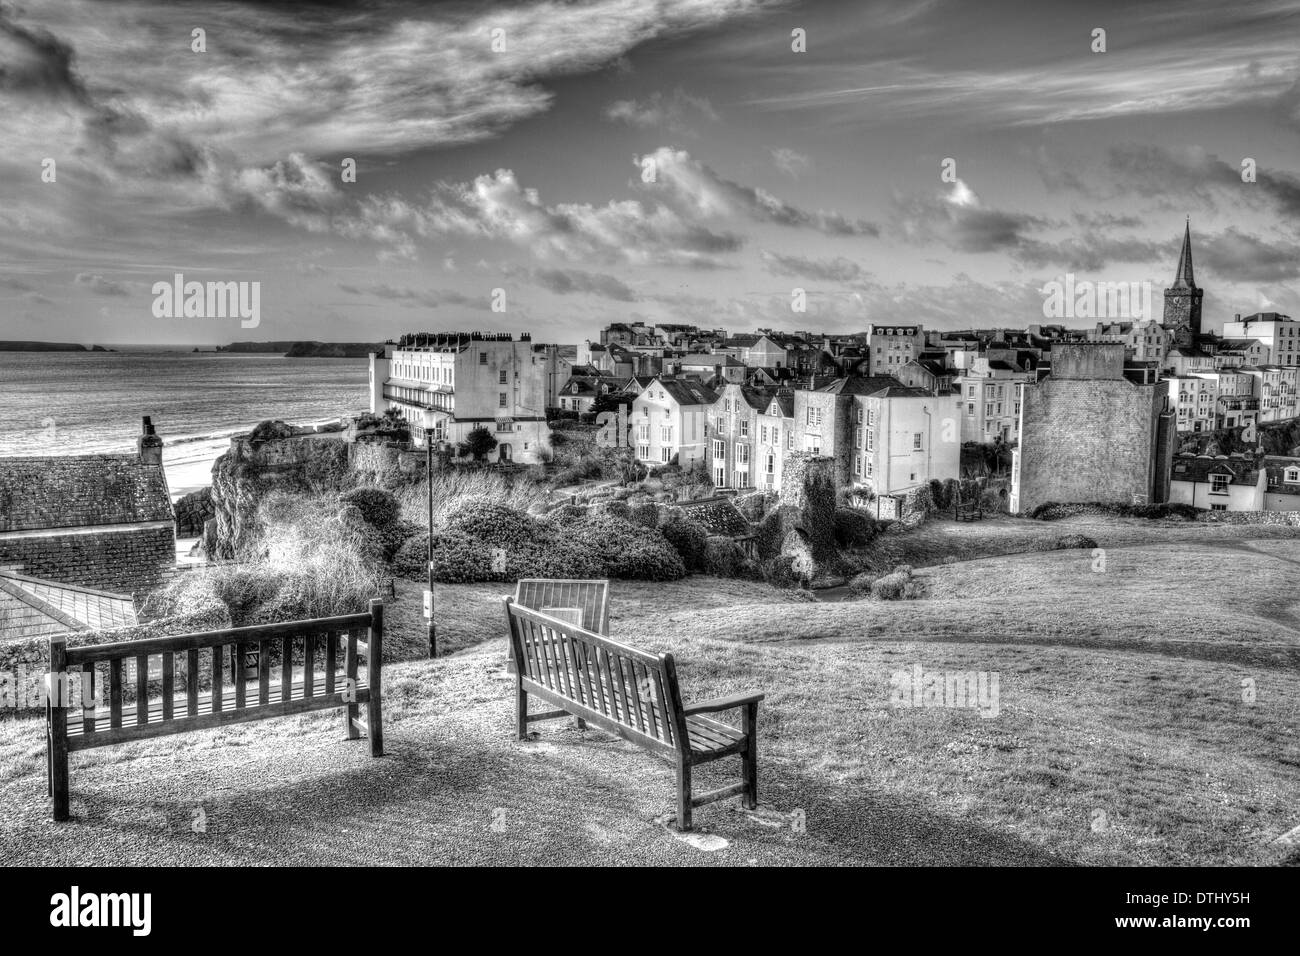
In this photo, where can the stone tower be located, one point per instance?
(1182, 316)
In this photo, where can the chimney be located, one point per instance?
(149, 445)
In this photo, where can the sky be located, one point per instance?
(574, 164)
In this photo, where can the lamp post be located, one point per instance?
(428, 595)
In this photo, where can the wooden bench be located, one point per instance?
(319, 685)
(578, 601)
(633, 694)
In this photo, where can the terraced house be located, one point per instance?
(446, 384)
(670, 422)
(739, 446)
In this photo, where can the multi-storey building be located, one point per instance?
(1235, 401)
(670, 421)
(1275, 387)
(1144, 341)
(775, 438)
(1195, 399)
(448, 383)
(1280, 334)
(901, 437)
(990, 400)
(893, 346)
(735, 450)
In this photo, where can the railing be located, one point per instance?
(441, 398)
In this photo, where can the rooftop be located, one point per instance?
(77, 491)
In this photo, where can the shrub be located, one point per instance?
(690, 541)
(860, 584)
(270, 430)
(724, 557)
(478, 443)
(1066, 542)
(411, 558)
(853, 528)
(379, 508)
(626, 550)
(781, 572)
(898, 584)
(460, 559)
(495, 525)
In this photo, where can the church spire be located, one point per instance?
(1184, 278)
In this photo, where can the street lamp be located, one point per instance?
(428, 594)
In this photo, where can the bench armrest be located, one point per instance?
(722, 703)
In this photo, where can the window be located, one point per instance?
(744, 429)
(789, 440)
(857, 464)
(916, 441)
(482, 358)
(719, 449)
(763, 433)
(859, 414)
(1218, 507)
(643, 452)
(742, 456)
(643, 432)
(771, 464)
(505, 427)
(666, 434)
(1291, 475)
(645, 411)
(502, 378)
(970, 408)
(665, 454)
(501, 400)
(871, 440)
(1218, 484)
(970, 391)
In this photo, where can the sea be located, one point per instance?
(75, 403)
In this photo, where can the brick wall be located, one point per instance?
(1087, 440)
(124, 562)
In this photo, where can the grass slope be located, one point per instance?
(1122, 736)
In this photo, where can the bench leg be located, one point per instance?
(59, 778)
(582, 724)
(375, 724)
(683, 795)
(521, 712)
(350, 713)
(749, 767)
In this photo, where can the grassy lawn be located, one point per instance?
(1123, 734)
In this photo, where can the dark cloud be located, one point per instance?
(571, 281)
(1236, 257)
(430, 298)
(838, 269)
(36, 62)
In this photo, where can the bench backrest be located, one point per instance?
(616, 687)
(167, 696)
(551, 595)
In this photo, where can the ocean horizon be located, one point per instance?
(76, 403)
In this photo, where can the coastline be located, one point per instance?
(188, 460)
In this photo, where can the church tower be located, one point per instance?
(1182, 315)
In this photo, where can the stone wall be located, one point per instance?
(1088, 440)
(130, 561)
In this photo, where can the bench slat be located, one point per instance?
(241, 680)
(93, 653)
(331, 659)
(192, 679)
(286, 661)
(168, 676)
(263, 672)
(308, 664)
(218, 656)
(115, 693)
(141, 686)
(88, 697)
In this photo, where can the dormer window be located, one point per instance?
(1291, 476)
(1219, 484)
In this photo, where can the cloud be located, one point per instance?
(791, 163)
(430, 298)
(658, 111)
(838, 269)
(959, 220)
(1193, 173)
(688, 184)
(35, 62)
(1236, 257)
(99, 285)
(575, 281)
(16, 284)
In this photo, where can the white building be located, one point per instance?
(448, 383)
(1275, 387)
(670, 420)
(1196, 399)
(1280, 334)
(890, 347)
(990, 400)
(902, 437)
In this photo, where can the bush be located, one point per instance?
(853, 528)
(690, 541)
(645, 514)
(860, 585)
(898, 584)
(626, 550)
(379, 508)
(460, 559)
(270, 430)
(1065, 542)
(724, 558)
(495, 525)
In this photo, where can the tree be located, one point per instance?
(479, 443)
